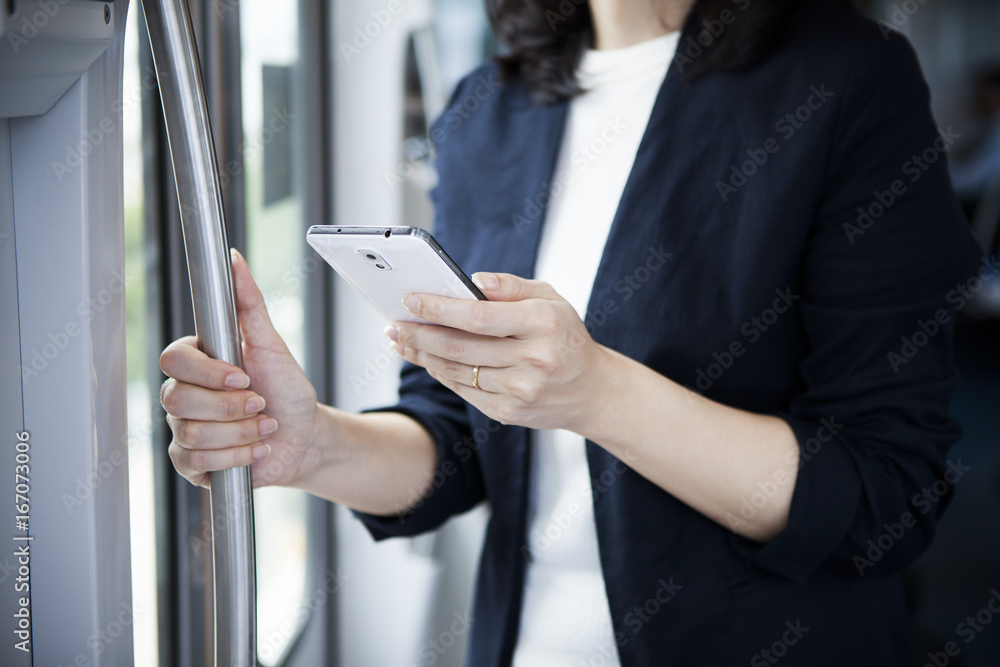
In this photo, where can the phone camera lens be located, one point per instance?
(371, 257)
(387, 232)
(380, 266)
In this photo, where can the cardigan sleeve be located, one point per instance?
(458, 482)
(888, 264)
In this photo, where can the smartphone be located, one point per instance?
(387, 263)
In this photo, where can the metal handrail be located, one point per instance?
(196, 174)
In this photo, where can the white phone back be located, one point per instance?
(414, 266)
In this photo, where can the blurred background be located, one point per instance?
(321, 112)
(958, 44)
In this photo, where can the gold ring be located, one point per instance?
(475, 377)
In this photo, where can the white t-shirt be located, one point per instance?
(565, 619)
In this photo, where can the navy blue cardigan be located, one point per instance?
(817, 257)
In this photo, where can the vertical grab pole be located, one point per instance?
(196, 175)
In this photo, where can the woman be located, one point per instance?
(703, 432)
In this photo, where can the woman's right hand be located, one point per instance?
(223, 417)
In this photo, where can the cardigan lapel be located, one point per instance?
(536, 180)
(624, 249)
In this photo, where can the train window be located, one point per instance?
(142, 517)
(276, 253)
(254, 116)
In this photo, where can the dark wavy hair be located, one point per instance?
(545, 39)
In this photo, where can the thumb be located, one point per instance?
(508, 287)
(255, 323)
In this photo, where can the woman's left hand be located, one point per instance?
(538, 365)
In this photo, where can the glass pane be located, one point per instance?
(140, 460)
(275, 250)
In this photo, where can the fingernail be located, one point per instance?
(268, 426)
(398, 349)
(412, 303)
(392, 333)
(260, 451)
(254, 404)
(237, 381)
(486, 281)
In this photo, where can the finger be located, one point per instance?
(453, 344)
(255, 323)
(192, 463)
(190, 401)
(508, 287)
(446, 369)
(483, 400)
(183, 361)
(205, 435)
(487, 318)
